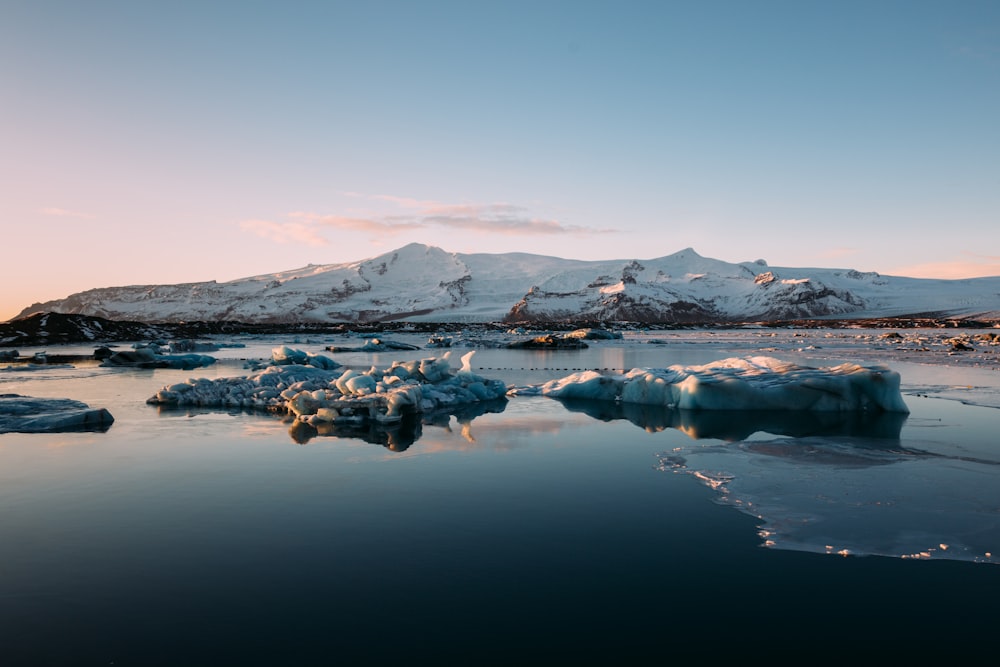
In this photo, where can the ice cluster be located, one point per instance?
(316, 393)
(751, 383)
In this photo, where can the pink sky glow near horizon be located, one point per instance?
(161, 144)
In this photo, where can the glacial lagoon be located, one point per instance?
(529, 529)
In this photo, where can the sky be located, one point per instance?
(168, 142)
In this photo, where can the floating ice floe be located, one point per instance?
(751, 383)
(374, 345)
(853, 495)
(186, 345)
(440, 341)
(145, 357)
(318, 394)
(35, 367)
(27, 414)
(594, 334)
(549, 342)
(284, 355)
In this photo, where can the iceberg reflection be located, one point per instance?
(733, 425)
(396, 435)
(29, 414)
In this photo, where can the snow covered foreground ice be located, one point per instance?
(318, 392)
(751, 383)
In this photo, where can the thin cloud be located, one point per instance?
(65, 213)
(284, 232)
(982, 45)
(494, 218)
(416, 215)
(493, 223)
(978, 266)
(498, 218)
(340, 222)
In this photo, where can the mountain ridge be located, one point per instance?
(423, 283)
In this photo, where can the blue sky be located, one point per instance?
(170, 142)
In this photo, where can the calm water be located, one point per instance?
(534, 531)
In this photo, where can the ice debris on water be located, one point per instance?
(147, 357)
(316, 393)
(284, 355)
(29, 414)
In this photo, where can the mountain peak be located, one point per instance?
(416, 247)
(686, 252)
(420, 282)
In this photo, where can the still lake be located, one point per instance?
(535, 531)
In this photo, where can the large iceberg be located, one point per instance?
(750, 383)
(319, 394)
(27, 414)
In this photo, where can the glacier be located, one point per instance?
(421, 283)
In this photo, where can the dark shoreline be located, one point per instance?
(60, 328)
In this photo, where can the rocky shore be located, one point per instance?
(60, 329)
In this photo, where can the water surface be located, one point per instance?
(533, 531)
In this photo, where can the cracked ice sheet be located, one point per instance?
(983, 396)
(854, 496)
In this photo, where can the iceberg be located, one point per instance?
(374, 345)
(145, 357)
(27, 414)
(750, 383)
(549, 342)
(318, 395)
(188, 345)
(284, 355)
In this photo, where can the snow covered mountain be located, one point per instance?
(425, 283)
